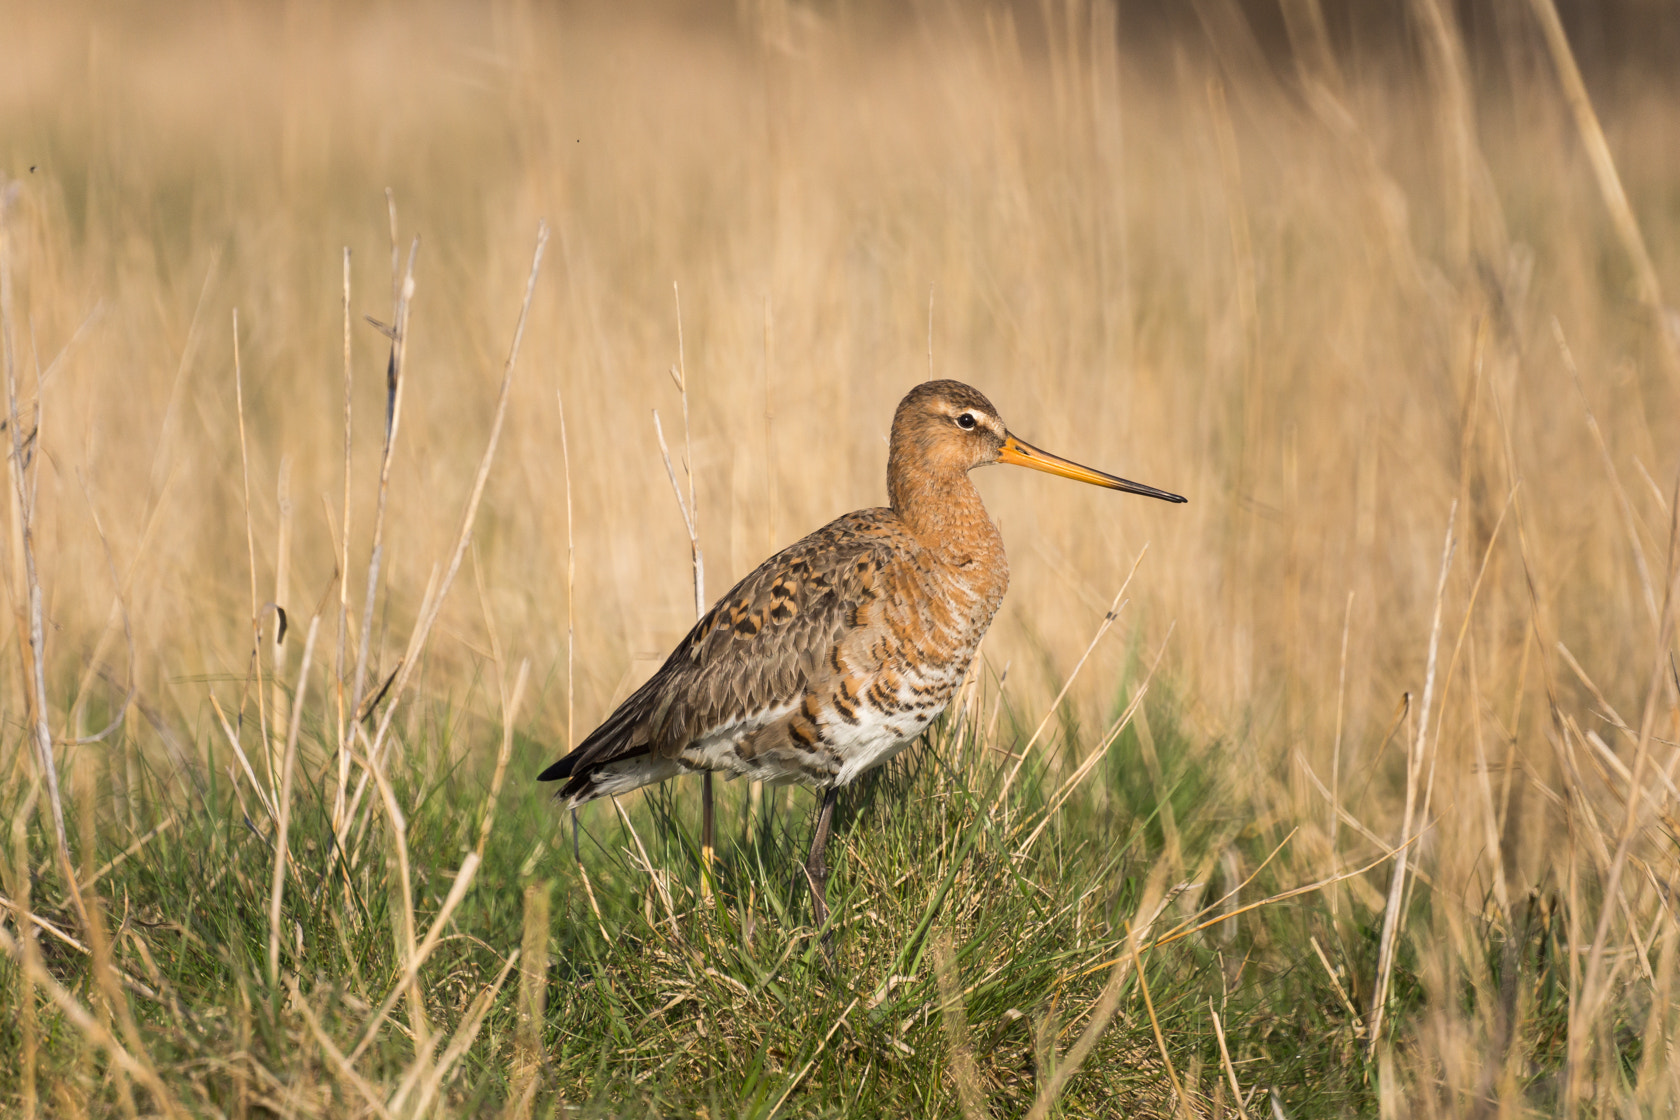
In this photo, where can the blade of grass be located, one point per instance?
(428, 616)
(1414, 774)
(1181, 1105)
(1107, 1004)
(23, 509)
(345, 739)
(1225, 1061)
(800, 1076)
(402, 295)
(340, 1067)
(89, 1026)
(462, 1040)
(970, 1096)
(282, 853)
(1608, 179)
(1114, 608)
(1096, 756)
(1594, 985)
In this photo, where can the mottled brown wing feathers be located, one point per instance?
(760, 647)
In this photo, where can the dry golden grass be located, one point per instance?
(1353, 305)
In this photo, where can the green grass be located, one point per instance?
(733, 1007)
(1350, 297)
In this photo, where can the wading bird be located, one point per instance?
(834, 654)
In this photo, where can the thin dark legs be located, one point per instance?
(706, 850)
(816, 868)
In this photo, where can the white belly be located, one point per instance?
(876, 739)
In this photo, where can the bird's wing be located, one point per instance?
(759, 649)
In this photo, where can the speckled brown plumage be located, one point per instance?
(834, 654)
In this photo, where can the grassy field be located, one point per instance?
(1346, 790)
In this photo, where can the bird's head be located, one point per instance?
(944, 428)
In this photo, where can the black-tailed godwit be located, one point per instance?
(835, 653)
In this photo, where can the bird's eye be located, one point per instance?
(966, 421)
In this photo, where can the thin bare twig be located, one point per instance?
(571, 614)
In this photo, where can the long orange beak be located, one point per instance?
(1019, 453)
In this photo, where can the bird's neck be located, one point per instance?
(944, 511)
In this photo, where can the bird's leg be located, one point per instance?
(816, 868)
(707, 854)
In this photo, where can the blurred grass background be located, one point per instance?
(1346, 277)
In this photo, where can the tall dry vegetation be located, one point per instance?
(1368, 310)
